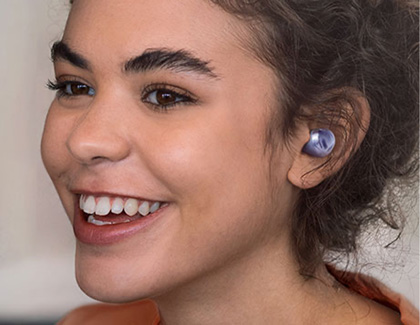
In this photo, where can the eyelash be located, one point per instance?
(182, 96)
(60, 88)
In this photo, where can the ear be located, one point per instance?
(349, 122)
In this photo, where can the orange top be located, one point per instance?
(145, 312)
(377, 291)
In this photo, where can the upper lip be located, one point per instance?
(79, 191)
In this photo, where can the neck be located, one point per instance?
(265, 287)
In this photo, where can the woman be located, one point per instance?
(209, 154)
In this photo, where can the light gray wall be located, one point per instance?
(36, 241)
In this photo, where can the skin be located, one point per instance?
(223, 241)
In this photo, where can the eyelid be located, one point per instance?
(190, 98)
(165, 86)
(72, 78)
(61, 82)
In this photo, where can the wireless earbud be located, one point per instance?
(320, 144)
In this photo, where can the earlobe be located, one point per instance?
(308, 171)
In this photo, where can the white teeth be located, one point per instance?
(144, 208)
(103, 206)
(90, 205)
(131, 207)
(117, 205)
(82, 201)
(92, 219)
(154, 207)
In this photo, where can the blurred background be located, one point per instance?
(36, 241)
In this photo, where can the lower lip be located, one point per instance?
(109, 234)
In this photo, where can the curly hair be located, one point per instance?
(323, 51)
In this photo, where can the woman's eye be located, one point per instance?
(71, 88)
(165, 98)
(77, 89)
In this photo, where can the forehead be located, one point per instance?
(125, 28)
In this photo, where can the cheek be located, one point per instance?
(53, 148)
(208, 151)
(50, 144)
(213, 164)
(54, 153)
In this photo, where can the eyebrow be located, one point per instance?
(149, 60)
(163, 58)
(61, 51)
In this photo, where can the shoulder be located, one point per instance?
(381, 306)
(350, 308)
(143, 312)
(371, 302)
(369, 312)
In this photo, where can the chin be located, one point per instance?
(110, 279)
(115, 278)
(111, 287)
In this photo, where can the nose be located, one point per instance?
(98, 135)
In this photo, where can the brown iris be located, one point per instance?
(165, 97)
(78, 89)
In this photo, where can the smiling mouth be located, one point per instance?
(106, 210)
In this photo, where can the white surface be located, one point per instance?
(36, 241)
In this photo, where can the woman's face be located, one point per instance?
(160, 102)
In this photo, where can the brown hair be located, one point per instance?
(321, 50)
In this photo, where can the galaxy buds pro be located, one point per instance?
(320, 144)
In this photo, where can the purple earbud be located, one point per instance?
(320, 144)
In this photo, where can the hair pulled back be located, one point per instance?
(321, 51)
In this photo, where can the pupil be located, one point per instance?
(78, 89)
(165, 97)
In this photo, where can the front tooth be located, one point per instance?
(154, 207)
(131, 207)
(117, 205)
(90, 205)
(82, 201)
(103, 206)
(144, 208)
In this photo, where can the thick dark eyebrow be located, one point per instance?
(61, 51)
(162, 58)
(151, 59)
